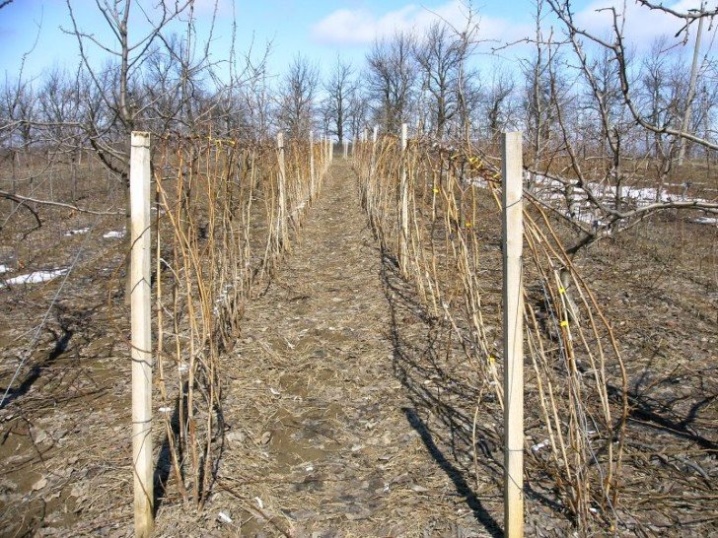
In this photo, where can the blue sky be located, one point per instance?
(319, 29)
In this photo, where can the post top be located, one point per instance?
(140, 139)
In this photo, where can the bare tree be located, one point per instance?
(257, 111)
(496, 102)
(614, 99)
(391, 74)
(60, 117)
(538, 99)
(114, 106)
(616, 47)
(340, 89)
(10, 123)
(660, 96)
(123, 72)
(296, 97)
(440, 58)
(358, 112)
(17, 116)
(690, 95)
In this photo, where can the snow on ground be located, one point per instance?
(79, 231)
(4, 269)
(115, 234)
(558, 196)
(34, 278)
(573, 202)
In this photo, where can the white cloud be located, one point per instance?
(207, 7)
(642, 26)
(346, 27)
(361, 26)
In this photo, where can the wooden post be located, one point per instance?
(323, 153)
(141, 333)
(372, 167)
(512, 168)
(404, 217)
(312, 184)
(282, 194)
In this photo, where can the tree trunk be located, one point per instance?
(691, 89)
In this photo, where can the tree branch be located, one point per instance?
(24, 200)
(21, 202)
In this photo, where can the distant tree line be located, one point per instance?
(585, 97)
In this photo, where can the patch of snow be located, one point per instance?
(115, 234)
(707, 220)
(4, 269)
(539, 446)
(34, 278)
(572, 201)
(79, 231)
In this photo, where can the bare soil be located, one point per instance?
(346, 414)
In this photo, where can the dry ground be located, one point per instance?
(343, 417)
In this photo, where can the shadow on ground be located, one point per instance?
(443, 403)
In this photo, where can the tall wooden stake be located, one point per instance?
(282, 195)
(312, 184)
(512, 168)
(141, 336)
(372, 168)
(404, 231)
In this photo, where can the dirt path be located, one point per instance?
(323, 439)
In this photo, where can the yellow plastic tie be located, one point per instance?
(562, 290)
(564, 323)
(436, 191)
